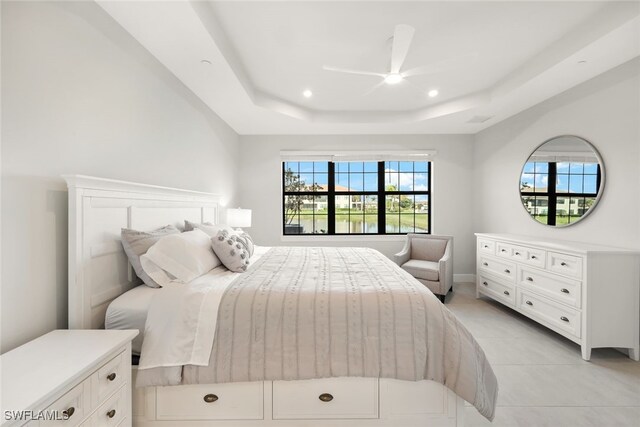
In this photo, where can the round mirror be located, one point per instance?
(562, 181)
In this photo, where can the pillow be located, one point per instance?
(137, 243)
(231, 249)
(185, 256)
(207, 227)
(246, 241)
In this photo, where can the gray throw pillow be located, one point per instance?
(137, 243)
(207, 227)
(232, 250)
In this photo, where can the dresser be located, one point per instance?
(68, 378)
(588, 293)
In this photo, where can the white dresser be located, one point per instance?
(68, 378)
(587, 293)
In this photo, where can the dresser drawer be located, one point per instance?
(569, 265)
(231, 401)
(111, 376)
(531, 256)
(539, 307)
(486, 246)
(114, 409)
(504, 269)
(340, 398)
(554, 286)
(500, 291)
(76, 402)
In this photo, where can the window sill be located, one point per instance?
(344, 238)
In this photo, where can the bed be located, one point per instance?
(99, 273)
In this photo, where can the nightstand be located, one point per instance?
(70, 378)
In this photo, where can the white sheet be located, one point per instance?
(129, 311)
(187, 342)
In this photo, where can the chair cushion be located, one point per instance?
(425, 270)
(428, 249)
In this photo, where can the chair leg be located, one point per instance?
(441, 298)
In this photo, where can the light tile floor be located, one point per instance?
(542, 378)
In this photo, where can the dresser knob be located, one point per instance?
(565, 291)
(564, 319)
(485, 264)
(111, 376)
(506, 292)
(506, 270)
(517, 253)
(564, 264)
(210, 398)
(69, 412)
(503, 250)
(485, 283)
(529, 279)
(529, 303)
(325, 397)
(111, 413)
(534, 257)
(486, 247)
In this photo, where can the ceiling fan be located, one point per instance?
(402, 37)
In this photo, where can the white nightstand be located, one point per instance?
(84, 375)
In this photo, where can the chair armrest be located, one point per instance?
(402, 256)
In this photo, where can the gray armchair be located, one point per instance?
(429, 259)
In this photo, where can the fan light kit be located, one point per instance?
(402, 36)
(307, 93)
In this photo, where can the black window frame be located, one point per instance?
(381, 194)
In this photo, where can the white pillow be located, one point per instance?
(184, 256)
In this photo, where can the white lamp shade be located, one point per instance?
(239, 217)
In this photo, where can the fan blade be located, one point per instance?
(401, 42)
(440, 66)
(350, 71)
(373, 89)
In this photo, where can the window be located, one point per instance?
(558, 193)
(341, 198)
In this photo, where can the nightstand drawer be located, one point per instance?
(111, 376)
(503, 269)
(111, 412)
(75, 403)
(229, 401)
(339, 398)
(562, 317)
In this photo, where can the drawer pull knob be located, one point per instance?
(506, 270)
(485, 264)
(503, 250)
(529, 303)
(564, 264)
(534, 257)
(111, 376)
(517, 253)
(325, 397)
(529, 279)
(486, 247)
(565, 291)
(111, 413)
(506, 292)
(564, 319)
(485, 283)
(69, 412)
(210, 398)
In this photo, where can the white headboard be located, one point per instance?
(98, 208)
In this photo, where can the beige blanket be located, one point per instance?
(303, 313)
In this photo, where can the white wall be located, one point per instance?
(606, 112)
(80, 96)
(261, 188)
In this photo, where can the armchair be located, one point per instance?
(429, 259)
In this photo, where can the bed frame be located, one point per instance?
(99, 272)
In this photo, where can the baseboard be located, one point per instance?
(464, 278)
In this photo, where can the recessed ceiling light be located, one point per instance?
(392, 79)
(433, 93)
(307, 93)
(205, 62)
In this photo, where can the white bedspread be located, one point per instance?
(186, 341)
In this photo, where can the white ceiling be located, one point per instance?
(495, 58)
